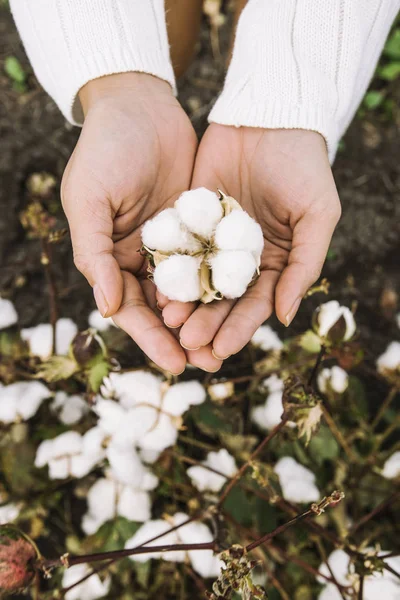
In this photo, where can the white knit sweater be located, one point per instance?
(296, 63)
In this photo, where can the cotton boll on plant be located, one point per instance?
(238, 231)
(20, 401)
(204, 478)
(266, 339)
(334, 379)
(8, 314)
(70, 409)
(166, 233)
(232, 272)
(389, 361)
(391, 468)
(200, 210)
(98, 322)
(178, 278)
(40, 338)
(333, 322)
(297, 482)
(92, 588)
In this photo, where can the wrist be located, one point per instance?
(121, 85)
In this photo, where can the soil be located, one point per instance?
(363, 261)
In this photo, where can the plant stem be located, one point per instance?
(269, 536)
(254, 455)
(361, 590)
(384, 406)
(338, 435)
(314, 372)
(384, 504)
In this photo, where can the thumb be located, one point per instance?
(90, 218)
(311, 238)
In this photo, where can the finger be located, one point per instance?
(204, 359)
(149, 291)
(311, 239)
(246, 316)
(91, 223)
(201, 327)
(177, 313)
(162, 300)
(146, 329)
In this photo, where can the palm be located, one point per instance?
(132, 160)
(283, 179)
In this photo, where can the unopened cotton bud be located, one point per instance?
(16, 557)
(87, 346)
(232, 272)
(200, 210)
(167, 234)
(178, 278)
(238, 231)
(334, 322)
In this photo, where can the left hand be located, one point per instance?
(283, 179)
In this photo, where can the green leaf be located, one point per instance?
(373, 99)
(266, 515)
(390, 72)
(209, 419)
(57, 368)
(14, 69)
(97, 373)
(323, 446)
(392, 46)
(111, 536)
(240, 506)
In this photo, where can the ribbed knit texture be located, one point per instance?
(70, 42)
(303, 64)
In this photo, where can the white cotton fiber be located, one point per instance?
(167, 234)
(200, 210)
(232, 272)
(238, 231)
(178, 278)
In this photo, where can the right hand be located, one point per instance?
(134, 157)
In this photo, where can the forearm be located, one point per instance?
(71, 42)
(302, 64)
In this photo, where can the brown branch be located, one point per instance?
(313, 373)
(254, 455)
(384, 504)
(384, 406)
(361, 590)
(338, 435)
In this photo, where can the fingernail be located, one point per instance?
(100, 300)
(186, 348)
(173, 326)
(176, 374)
(219, 357)
(292, 312)
(211, 370)
(158, 306)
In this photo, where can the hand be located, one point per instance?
(134, 158)
(283, 179)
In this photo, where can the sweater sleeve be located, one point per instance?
(70, 42)
(303, 64)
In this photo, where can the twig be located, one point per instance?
(338, 435)
(384, 504)
(313, 373)
(391, 570)
(254, 455)
(361, 590)
(384, 406)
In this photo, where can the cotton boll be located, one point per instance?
(178, 278)
(203, 561)
(205, 479)
(269, 415)
(221, 391)
(390, 359)
(200, 210)
(102, 500)
(266, 339)
(167, 234)
(21, 400)
(150, 530)
(136, 386)
(274, 383)
(111, 415)
(297, 482)
(8, 314)
(391, 468)
(126, 465)
(328, 315)
(181, 396)
(232, 272)
(330, 592)
(97, 321)
(40, 338)
(163, 435)
(238, 231)
(90, 589)
(335, 379)
(134, 505)
(70, 409)
(9, 513)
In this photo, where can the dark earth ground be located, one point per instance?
(364, 257)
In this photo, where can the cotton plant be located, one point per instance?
(205, 479)
(70, 454)
(21, 400)
(70, 409)
(388, 364)
(334, 323)
(268, 415)
(391, 467)
(219, 392)
(8, 314)
(91, 589)
(204, 562)
(108, 498)
(297, 482)
(140, 409)
(333, 380)
(205, 248)
(377, 585)
(40, 338)
(266, 339)
(98, 322)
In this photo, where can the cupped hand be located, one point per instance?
(134, 157)
(283, 179)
